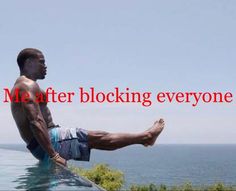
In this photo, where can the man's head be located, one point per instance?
(32, 63)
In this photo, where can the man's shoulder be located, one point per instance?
(26, 84)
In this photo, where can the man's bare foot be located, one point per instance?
(153, 133)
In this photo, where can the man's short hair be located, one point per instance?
(26, 53)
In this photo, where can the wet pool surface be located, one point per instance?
(20, 171)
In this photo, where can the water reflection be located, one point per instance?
(49, 177)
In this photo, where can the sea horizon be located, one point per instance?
(169, 164)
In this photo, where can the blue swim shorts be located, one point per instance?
(70, 143)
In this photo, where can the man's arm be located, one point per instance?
(38, 125)
(47, 116)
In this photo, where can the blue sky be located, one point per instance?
(144, 45)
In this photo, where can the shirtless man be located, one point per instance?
(47, 141)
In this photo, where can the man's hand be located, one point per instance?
(59, 160)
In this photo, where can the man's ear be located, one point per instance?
(28, 62)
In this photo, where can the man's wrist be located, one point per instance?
(52, 154)
(59, 160)
(55, 157)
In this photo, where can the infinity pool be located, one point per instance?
(20, 171)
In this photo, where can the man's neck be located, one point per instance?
(30, 76)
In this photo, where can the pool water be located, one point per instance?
(21, 171)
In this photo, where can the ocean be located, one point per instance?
(168, 164)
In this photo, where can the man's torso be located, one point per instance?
(19, 115)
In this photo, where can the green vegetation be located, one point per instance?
(185, 187)
(113, 180)
(103, 176)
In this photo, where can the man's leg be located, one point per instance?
(111, 141)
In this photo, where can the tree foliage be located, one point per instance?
(113, 180)
(103, 175)
(184, 187)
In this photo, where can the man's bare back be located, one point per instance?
(24, 85)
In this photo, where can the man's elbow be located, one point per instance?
(36, 124)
